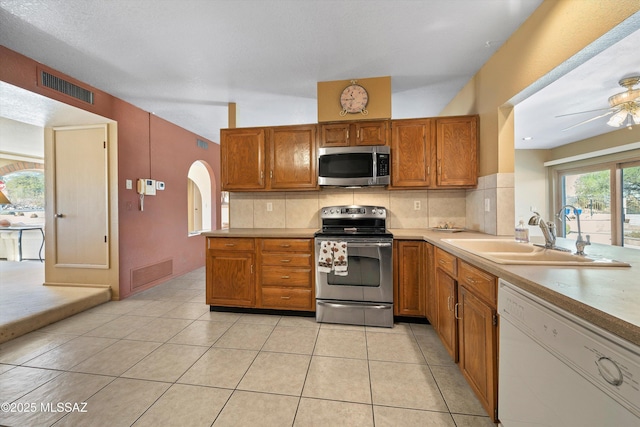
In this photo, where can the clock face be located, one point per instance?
(354, 98)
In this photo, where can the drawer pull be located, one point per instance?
(285, 260)
(285, 245)
(471, 280)
(285, 277)
(441, 261)
(285, 297)
(230, 244)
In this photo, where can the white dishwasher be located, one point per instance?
(555, 369)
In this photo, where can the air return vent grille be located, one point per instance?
(202, 144)
(68, 88)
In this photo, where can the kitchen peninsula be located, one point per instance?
(608, 297)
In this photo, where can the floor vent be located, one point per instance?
(68, 88)
(151, 273)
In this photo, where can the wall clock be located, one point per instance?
(354, 99)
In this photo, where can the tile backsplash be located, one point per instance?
(407, 209)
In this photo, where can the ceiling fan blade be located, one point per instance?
(591, 119)
(581, 112)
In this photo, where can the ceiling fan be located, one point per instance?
(622, 105)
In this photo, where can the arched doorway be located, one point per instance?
(198, 198)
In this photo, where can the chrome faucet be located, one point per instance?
(580, 242)
(548, 230)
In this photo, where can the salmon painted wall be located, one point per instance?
(148, 147)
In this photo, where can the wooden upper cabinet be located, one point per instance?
(242, 153)
(411, 153)
(334, 134)
(371, 133)
(279, 158)
(293, 157)
(457, 151)
(344, 134)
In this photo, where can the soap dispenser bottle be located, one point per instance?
(522, 232)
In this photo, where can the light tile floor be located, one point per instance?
(162, 358)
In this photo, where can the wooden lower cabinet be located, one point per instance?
(286, 273)
(445, 301)
(409, 281)
(477, 347)
(283, 278)
(230, 272)
(430, 307)
(466, 322)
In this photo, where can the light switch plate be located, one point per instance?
(129, 184)
(269, 206)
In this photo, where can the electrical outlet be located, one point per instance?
(487, 205)
(416, 205)
(269, 206)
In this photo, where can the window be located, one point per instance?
(607, 198)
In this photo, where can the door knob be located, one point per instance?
(59, 216)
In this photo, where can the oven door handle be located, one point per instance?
(338, 305)
(368, 245)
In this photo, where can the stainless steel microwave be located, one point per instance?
(359, 166)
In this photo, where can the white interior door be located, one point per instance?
(81, 197)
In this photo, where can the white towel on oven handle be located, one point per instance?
(340, 259)
(325, 259)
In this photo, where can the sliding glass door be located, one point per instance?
(608, 200)
(630, 175)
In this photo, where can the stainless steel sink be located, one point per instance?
(508, 251)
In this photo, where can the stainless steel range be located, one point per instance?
(354, 266)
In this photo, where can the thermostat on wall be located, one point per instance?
(159, 185)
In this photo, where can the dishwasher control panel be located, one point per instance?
(607, 361)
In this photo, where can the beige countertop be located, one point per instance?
(608, 297)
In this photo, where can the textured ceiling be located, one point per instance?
(185, 60)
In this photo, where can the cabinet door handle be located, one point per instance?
(285, 260)
(358, 134)
(251, 268)
(449, 303)
(270, 174)
(347, 135)
(285, 277)
(455, 311)
(261, 175)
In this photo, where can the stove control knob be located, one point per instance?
(381, 211)
(373, 211)
(331, 211)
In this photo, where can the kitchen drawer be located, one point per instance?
(291, 299)
(284, 276)
(235, 244)
(446, 262)
(286, 245)
(287, 260)
(481, 283)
